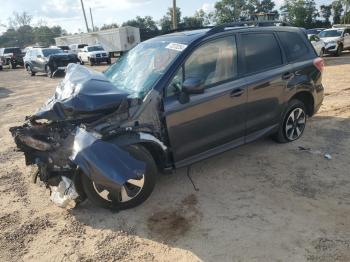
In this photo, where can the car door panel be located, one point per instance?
(207, 121)
(265, 97)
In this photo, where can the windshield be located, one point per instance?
(139, 69)
(331, 33)
(95, 48)
(47, 52)
(12, 50)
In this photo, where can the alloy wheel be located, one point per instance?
(127, 192)
(295, 124)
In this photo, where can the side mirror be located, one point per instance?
(193, 86)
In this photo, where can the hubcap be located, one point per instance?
(295, 124)
(127, 192)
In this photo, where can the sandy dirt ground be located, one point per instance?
(260, 202)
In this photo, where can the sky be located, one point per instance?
(68, 13)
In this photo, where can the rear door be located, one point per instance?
(266, 76)
(211, 121)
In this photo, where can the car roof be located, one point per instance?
(187, 37)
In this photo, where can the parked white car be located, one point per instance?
(318, 44)
(94, 54)
(76, 48)
(336, 40)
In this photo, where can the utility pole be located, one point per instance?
(174, 15)
(92, 21)
(86, 23)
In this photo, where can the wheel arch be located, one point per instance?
(152, 144)
(307, 99)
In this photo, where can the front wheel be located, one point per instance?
(293, 122)
(30, 70)
(339, 50)
(49, 71)
(133, 193)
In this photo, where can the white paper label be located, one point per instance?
(176, 47)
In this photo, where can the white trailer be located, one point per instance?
(114, 41)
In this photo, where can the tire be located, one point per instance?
(321, 52)
(140, 153)
(30, 70)
(290, 131)
(91, 62)
(81, 61)
(48, 71)
(0, 68)
(339, 50)
(109, 61)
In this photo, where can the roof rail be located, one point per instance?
(222, 27)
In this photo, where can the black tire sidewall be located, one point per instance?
(140, 153)
(281, 136)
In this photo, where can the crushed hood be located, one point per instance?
(82, 93)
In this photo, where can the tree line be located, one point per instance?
(301, 13)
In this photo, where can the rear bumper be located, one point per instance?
(318, 97)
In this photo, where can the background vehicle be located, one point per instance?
(318, 44)
(94, 55)
(1, 65)
(76, 48)
(114, 41)
(47, 60)
(336, 40)
(169, 102)
(315, 31)
(65, 48)
(11, 56)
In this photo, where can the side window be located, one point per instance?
(261, 52)
(293, 44)
(213, 62)
(176, 84)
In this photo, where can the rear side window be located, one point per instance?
(295, 47)
(261, 52)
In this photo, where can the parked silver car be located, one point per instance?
(318, 44)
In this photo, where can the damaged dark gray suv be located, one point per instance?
(169, 102)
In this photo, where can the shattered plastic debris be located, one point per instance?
(328, 156)
(65, 194)
(309, 150)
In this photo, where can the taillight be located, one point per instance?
(319, 63)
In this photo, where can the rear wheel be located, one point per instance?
(293, 122)
(133, 193)
(30, 70)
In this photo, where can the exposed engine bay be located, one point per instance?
(83, 130)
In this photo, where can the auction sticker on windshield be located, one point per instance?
(176, 46)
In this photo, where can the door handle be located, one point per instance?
(287, 76)
(237, 92)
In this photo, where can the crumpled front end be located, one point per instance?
(79, 131)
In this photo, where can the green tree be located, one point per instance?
(166, 23)
(148, 27)
(337, 9)
(300, 13)
(109, 26)
(230, 10)
(326, 12)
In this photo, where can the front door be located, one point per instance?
(213, 120)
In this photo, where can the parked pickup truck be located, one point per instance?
(11, 56)
(94, 54)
